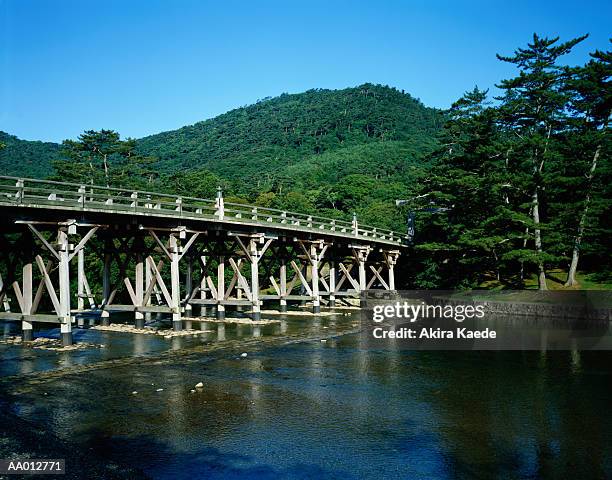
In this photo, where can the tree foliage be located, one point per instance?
(523, 182)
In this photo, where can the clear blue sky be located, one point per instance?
(141, 67)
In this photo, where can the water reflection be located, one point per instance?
(220, 332)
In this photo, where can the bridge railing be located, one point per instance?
(19, 191)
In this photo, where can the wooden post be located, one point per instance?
(175, 284)
(203, 286)
(314, 273)
(362, 274)
(392, 262)
(81, 283)
(221, 288)
(332, 283)
(64, 288)
(314, 253)
(361, 255)
(106, 282)
(26, 326)
(255, 279)
(188, 291)
(283, 284)
(219, 205)
(148, 280)
(139, 318)
(81, 279)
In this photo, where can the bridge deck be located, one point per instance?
(52, 196)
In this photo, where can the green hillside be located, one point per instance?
(26, 158)
(277, 138)
(326, 152)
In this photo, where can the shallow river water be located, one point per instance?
(311, 400)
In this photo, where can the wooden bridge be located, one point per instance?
(220, 255)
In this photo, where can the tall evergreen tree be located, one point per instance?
(533, 110)
(591, 105)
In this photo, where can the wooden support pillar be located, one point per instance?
(64, 288)
(203, 286)
(81, 279)
(26, 326)
(315, 252)
(361, 256)
(304, 272)
(175, 283)
(332, 283)
(239, 295)
(221, 288)
(188, 290)
(314, 269)
(283, 285)
(391, 260)
(148, 279)
(139, 318)
(362, 274)
(255, 255)
(106, 282)
(81, 284)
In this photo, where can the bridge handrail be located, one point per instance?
(142, 200)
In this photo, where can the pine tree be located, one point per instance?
(591, 104)
(469, 183)
(533, 112)
(101, 157)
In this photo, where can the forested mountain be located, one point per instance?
(329, 152)
(279, 143)
(280, 131)
(26, 158)
(276, 138)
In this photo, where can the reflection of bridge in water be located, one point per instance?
(220, 255)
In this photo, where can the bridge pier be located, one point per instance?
(64, 288)
(255, 255)
(189, 292)
(106, 283)
(283, 284)
(139, 317)
(203, 287)
(361, 253)
(332, 283)
(26, 326)
(391, 257)
(177, 325)
(314, 250)
(220, 297)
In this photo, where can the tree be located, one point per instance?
(101, 157)
(200, 183)
(533, 111)
(464, 205)
(591, 103)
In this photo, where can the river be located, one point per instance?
(312, 400)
